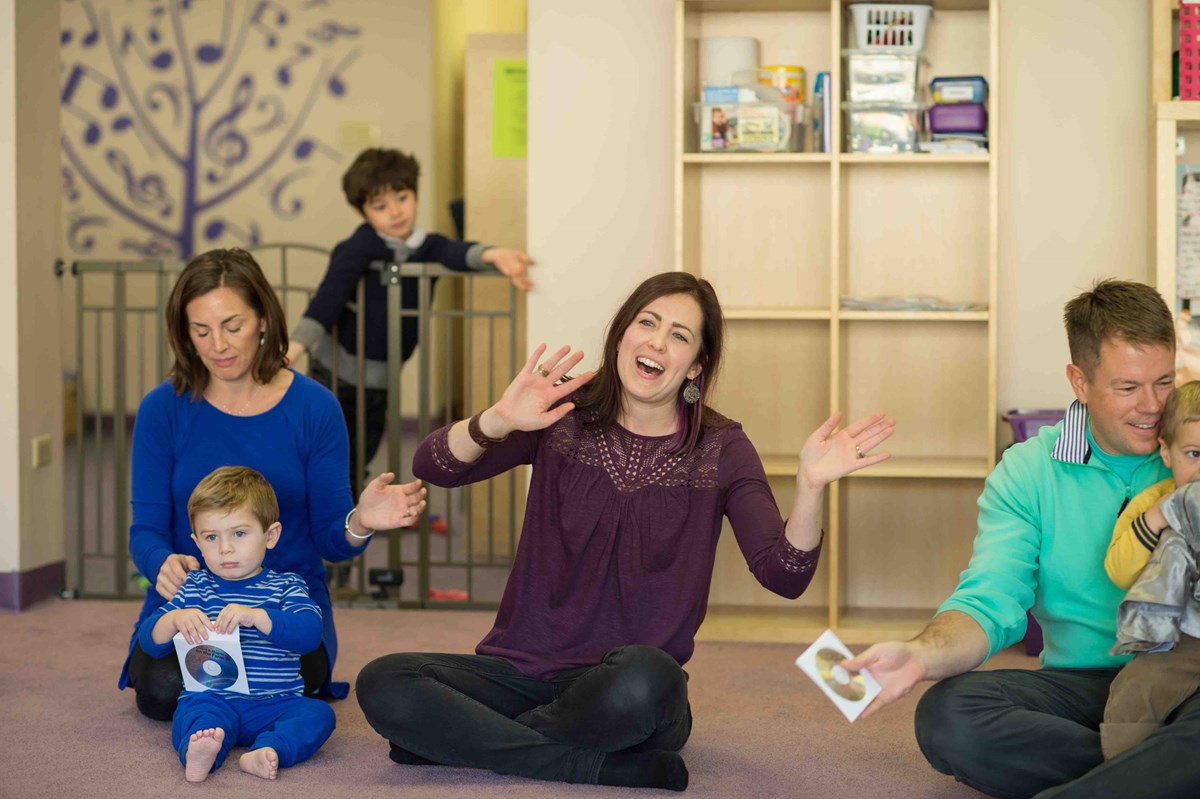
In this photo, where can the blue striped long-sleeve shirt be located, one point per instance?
(272, 661)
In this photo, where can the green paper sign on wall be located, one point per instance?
(510, 82)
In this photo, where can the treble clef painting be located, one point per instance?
(172, 109)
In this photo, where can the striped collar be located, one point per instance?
(1072, 445)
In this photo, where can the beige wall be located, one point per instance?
(31, 514)
(1075, 186)
(600, 160)
(1076, 183)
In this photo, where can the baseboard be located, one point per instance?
(19, 590)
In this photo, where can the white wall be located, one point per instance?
(31, 514)
(600, 161)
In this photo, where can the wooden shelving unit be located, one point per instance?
(1172, 119)
(783, 237)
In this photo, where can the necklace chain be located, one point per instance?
(242, 410)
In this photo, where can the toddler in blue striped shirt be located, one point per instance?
(235, 519)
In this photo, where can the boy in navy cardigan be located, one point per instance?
(381, 185)
(235, 520)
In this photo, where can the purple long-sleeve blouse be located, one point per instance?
(619, 538)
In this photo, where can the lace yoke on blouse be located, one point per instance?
(633, 462)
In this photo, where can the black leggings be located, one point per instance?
(477, 710)
(158, 682)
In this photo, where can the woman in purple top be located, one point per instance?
(580, 680)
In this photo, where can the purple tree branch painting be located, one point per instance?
(173, 108)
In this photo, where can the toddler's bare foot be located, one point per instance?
(202, 753)
(261, 763)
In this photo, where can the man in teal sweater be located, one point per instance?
(1045, 520)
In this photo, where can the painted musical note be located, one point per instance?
(212, 52)
(337, 86)
(109, 97)
(329, 31)
(148, 191)
(284, 73)
(306, 147)
(93, 35)
(261, 10)
(160, 61)
(223, 142)
(218, 227)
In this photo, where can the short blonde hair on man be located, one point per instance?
(231, 488)
(1182, 407)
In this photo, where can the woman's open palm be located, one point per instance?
(527, 402)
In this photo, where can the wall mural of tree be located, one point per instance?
(174, 108)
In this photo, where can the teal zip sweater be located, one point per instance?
(1046, 517)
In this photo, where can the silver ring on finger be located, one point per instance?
(859, 451)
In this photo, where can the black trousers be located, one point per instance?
(375, 404)
(158, 681)
(480, 711)
(1016, 733)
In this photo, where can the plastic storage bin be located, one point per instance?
(965, 89)
(750, 127)
(883, 127)
(881, 76)
(958, 118)
(891, 25)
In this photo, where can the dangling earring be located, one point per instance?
(262, 339)
(691, 393)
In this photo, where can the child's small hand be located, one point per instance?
(235, 615)
(192, 623)
(511, 264)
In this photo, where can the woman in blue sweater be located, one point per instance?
(230, 400)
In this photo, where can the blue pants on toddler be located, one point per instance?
(294, 726)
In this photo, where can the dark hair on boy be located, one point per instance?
(233, 269)
(1116, 309)
(1182, 407)
(232, 488)
(377, 170)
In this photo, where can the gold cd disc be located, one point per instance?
(841, 682)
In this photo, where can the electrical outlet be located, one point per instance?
(41, 451)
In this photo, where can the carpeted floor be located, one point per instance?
(762, 729)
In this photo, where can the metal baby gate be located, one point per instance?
(460, 552)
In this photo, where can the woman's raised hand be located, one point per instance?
(525, 404)
(830, 453)
(383, 506)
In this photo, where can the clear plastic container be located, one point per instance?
(750, 127)
(883, 127)
(884, 76)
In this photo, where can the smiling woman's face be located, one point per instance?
(659, 349)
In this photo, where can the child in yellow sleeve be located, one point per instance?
(1155, 682)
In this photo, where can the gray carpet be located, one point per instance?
(762, 729)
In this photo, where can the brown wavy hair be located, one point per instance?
(234, 269)
(601, 398)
